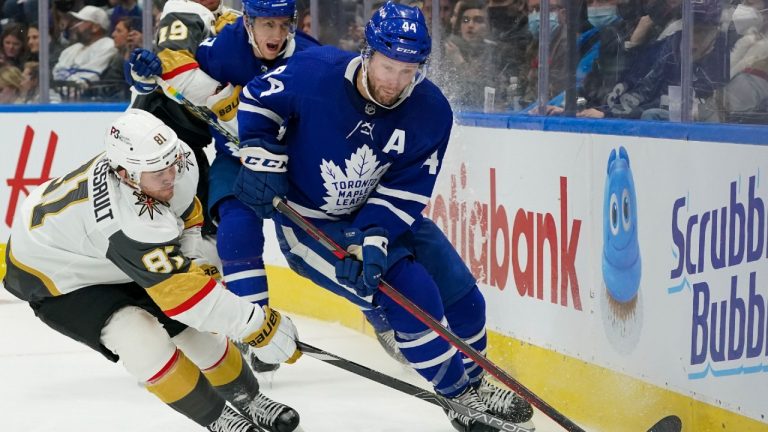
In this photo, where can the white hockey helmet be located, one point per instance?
(140, 142)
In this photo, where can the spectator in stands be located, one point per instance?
(444, 13)
(710, 68)
(30, 88)
(354, 40)
(124, 8)
(454, 22)
(33, 45)
(61, 20)
(615, 21)
(508, 21)
(85, 61)
(157, 10)
(20, 11)
(587, 43)
(745, 97)
(13, 46)
(305, 21)
(33, 42)
(10, 85)
(471, 60)
(126, 37)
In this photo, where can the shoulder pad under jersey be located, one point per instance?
(190, 7)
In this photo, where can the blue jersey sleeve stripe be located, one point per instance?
(405, 217)
(263, 111)
(404, 195)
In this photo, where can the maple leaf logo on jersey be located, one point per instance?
(347, 190)
(148, 204)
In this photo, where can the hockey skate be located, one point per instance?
(232, 421)
(387, 341)
(505, 404)
(257, 365)
(463, 423)
(272, 415)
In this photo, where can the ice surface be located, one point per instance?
(50, 383)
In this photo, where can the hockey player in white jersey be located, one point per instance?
(183, 25)
(263, 39)
(102, 255)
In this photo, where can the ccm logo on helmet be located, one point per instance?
(405, 50)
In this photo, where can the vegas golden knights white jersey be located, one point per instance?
(88, 228)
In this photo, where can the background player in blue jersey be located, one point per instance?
(263, 38)
(355, 144)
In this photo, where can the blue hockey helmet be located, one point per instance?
(400, 33)
(269, 8)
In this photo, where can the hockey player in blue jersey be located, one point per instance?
(355, 144)
(263, 38)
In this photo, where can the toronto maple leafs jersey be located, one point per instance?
(89, 228)
(229, 57)
(348, 158)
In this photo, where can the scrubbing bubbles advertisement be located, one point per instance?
(648, 257)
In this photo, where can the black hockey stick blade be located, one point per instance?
(670, 423)
(409, 389)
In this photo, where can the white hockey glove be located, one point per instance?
(224, 104)
(274, 338)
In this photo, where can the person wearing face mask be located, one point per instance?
(615, 21)
(745, 97)
(749, 22)
(534, 18)
(587, 42)
(710, 68)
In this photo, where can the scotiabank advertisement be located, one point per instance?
(644, 256)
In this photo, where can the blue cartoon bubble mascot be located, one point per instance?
(621, 249)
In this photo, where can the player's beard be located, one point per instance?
(164, 195)
(382, 96)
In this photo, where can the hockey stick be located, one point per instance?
(202, 113)
(409, 389)
(441, 330)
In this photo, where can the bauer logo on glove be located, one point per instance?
(227, 109)
(263, 336)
